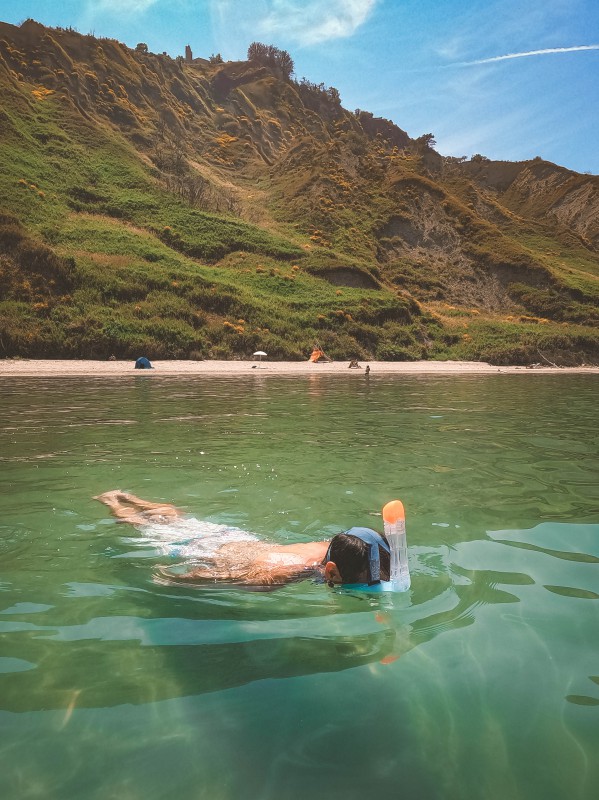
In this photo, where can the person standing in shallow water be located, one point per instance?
(236, 557)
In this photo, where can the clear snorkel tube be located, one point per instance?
(394, 519)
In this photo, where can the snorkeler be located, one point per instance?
(358, 556)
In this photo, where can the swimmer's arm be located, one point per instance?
(265, 576)
(272, 575)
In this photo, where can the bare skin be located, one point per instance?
(129, 508)
(250, 563)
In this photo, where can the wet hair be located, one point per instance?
(350, 554)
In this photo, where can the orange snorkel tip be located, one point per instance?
(393, 511)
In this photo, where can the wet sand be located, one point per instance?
(13, 367)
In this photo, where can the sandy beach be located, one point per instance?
(62, 368)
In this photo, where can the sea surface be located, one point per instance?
(481, 682)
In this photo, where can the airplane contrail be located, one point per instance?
(531, 53)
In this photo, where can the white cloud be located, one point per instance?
(529, 53)
(306, 22)
(316, 21)
(124, 6)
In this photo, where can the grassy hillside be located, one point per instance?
(207, 210)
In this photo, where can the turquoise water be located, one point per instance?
(481, 682)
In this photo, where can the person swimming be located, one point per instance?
(222, 553)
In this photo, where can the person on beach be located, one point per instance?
(234, 556)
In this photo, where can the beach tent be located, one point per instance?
(143, 363)
(318, 355)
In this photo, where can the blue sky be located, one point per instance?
(511, 79)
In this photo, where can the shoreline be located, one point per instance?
(17, 367)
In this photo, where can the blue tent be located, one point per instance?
(143, 363)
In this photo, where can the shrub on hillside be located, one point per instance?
(29, 262)
(397, 352)
(270, 56)
(549, 302)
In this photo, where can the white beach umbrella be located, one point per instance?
(260, 353)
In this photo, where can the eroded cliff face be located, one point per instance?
(578, 209)
(369, 206)
(240, 121)
(543, 191)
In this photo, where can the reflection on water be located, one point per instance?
(479, 682)
(178, 670)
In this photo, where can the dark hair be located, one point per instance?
(350, 554)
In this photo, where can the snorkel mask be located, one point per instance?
(395, 532)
